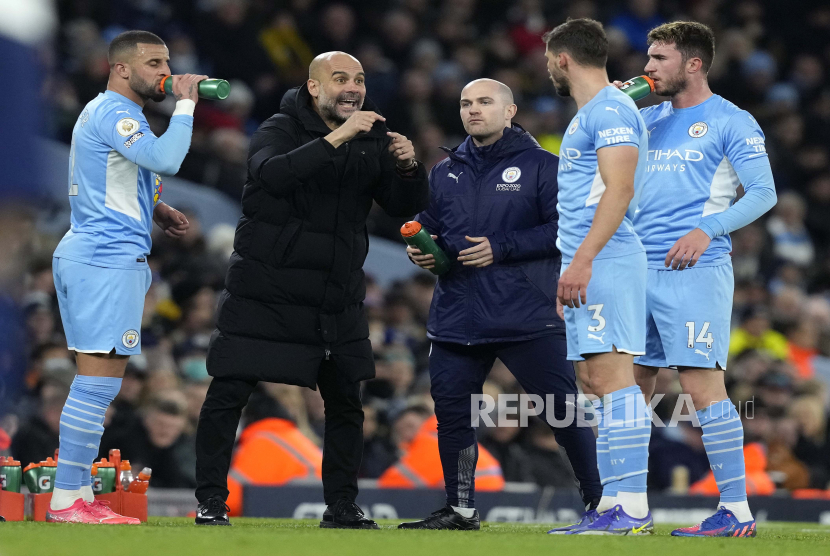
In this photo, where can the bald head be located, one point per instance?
(486, 109)
(336, 83)
(488, 87)
(326, 63)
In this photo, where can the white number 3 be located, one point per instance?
(597, 317)
(704, 337)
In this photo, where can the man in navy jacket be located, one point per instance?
(493, 211)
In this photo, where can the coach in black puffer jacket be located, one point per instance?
(295, 286)
(292, 311)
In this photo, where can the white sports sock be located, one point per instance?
(87, 494)
(634, 504)
(606, 503)
(62, 499)
(740, 509)
(465, 512)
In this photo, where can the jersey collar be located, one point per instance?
(120, 98)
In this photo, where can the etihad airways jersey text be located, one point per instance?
(691, 172)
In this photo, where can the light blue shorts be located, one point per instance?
(615, 314)
(101, 307)
(688, 315)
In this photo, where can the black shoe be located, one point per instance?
(213, 511)
(345, 514)
(445, 518)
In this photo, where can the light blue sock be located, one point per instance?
(81, 427)
(629, 432)
(723, 438)
(606, 474)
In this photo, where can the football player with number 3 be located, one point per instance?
(603, 281)
(701, 149)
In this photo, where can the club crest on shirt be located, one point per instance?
(511, 174)
(699, 129)
(130, 339)
(126, 126)
(574, 126)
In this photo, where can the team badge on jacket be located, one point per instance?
(573, 126)
(511, 174)
(698, 130)
(130, 339)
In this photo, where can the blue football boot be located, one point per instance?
(722, 524)
(616, 522)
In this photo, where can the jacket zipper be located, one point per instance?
(328, 351)
(474, 233)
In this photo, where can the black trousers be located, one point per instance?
(342, 443)
(458, 371)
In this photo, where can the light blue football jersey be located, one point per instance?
(610, 119)
(693, 159)
(111, 196)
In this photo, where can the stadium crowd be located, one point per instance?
(773, 59)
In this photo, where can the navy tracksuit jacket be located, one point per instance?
(506, 192)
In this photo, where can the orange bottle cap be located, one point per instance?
(163, 79)
(48, 462)
(650, 81)
(410, 228)
(125, 465)
(31, 466)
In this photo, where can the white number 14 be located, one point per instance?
(704, 337)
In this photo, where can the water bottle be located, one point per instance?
(126, 475)
(638, 87)
(415, 235)
(11, 474)
(213, 89)
(103, 477)
(141, 484)
(30, 476)
(48, 471)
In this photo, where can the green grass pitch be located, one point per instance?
(179, 537)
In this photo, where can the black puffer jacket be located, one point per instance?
(295, 288)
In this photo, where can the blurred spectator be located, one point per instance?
(677, 458)
(271, 451)
(420, 464)
(378, 451)
(159, 441)
(639, 17)
(790, 238)
(755, 333)
(813, 445)
(37, 439)
(125, 406)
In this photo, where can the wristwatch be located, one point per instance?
(409, 169)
